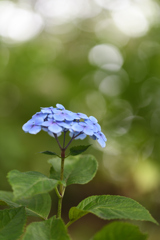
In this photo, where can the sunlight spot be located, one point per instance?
(64, 11)
(131, 21)
(18, 24)
(106, 56)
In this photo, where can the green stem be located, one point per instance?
(60, 193)
(64, 137)
(59, 208)
(57, 192)
(61, 188)
(68, 224)
(62, 171)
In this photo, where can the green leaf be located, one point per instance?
(51, 229)
(110, 207)
(50, 153)
(38, 205)
(28, 184)
(12, 222)
(78, 149)
(119, 231)
(77, 170)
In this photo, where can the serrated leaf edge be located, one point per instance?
(87, 211)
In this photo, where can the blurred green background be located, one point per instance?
(98, 57)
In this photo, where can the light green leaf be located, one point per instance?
(77, 170)
(50, 153)
(51, 229)
(28, 184)
(119, 231)
(12, 222)
(110, 207)
(78, 149)
(39, 205)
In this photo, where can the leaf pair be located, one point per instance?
(79, 170)
(31, 191)
(12, 222)
(72, 152)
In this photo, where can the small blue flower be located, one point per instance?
(32, 126)
(101, 138)
(52, 126)
(54, 121)
(60, 106)
(94, 125)
(80, 116)
(66, 125)
(47, 110)
(61, 115)
(83, 127)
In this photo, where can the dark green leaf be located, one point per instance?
(77, 170)
(111, 207)
(50, 153)
(120, 231)
(51, 229)
(78, 149)
(38, 205)
(28, 184)
(12, 222)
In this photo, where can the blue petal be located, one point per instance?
(46, 123)
(69, 116)
(93, 119)
(101, 138)
(47, 110)
(60, 106)
(101, 142)
(81, 136)
(88, 131)
(51, 116)
(35, 129)
(65, 124)
(82, 115)
(77, 127)
(39, 115)
(26, 127)
(59, 117)
(55, 128)
(89, 124)
(98, 127)
(52, 135)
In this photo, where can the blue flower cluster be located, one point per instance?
(57, 120)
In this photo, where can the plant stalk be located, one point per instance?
(60, 193)
(61, 188)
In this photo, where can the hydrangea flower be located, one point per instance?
(57, 120)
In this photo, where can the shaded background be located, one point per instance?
(99, 57)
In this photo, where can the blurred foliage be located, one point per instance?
(89, 65)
